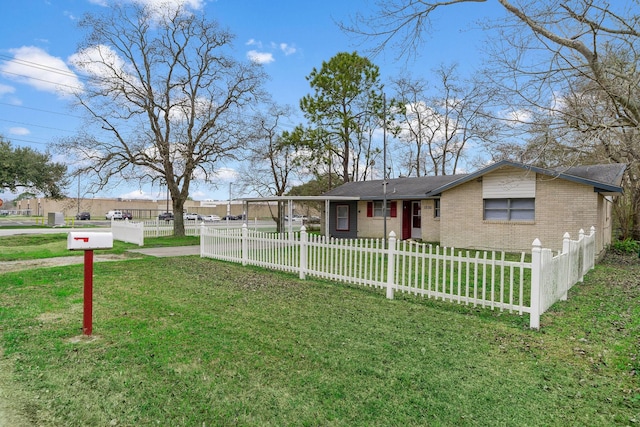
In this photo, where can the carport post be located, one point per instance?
(87, 320)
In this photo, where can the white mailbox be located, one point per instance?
(83, 240)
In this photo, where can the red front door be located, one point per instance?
(406, 220)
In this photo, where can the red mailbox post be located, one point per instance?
(87, 242)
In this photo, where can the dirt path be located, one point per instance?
(9, 266)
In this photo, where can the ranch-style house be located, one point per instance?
(504, 206)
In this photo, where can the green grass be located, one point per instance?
(190, 341)
(36, 246)
(483, 275)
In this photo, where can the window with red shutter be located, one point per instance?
(394, 209)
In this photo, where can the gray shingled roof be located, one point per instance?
(397, 188)
(610, 174)
(605, 178)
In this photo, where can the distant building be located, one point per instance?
(139, 208)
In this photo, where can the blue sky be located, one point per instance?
(290, 37)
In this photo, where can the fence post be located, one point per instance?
(140, 228)
(304, 238)
(202, 235)
(592, 248)
(536, 283)
(582, 252)
(157, 227)
(391, 264)
(566, 246)
(245, 244)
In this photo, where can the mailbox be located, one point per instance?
(81, 241)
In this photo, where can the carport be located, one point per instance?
(290, 200)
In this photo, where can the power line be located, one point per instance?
(42, 80)
(33, 125)
(41, 110)
(28, 141)
(44, 67)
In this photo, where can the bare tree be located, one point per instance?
(166, 96)
(270, 167)
(439, 124)
(545, 54)
(414, 121)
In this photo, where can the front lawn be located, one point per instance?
(192, 342)
(36, 246)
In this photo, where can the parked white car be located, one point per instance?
(114, 215)
(211, 218)
(191, 216)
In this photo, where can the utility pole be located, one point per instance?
(78, 193)
(384, 167)
(229, 204)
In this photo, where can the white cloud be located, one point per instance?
(260, 57)
(172, 4)
(96, 59)
(267, 57)
(517, 116)
(19, 131)
(199, 195)
(287, 49)
(35, 67)
(227, 174)
(139, 194)
(164, 4)
(5, 89)
(99, 61)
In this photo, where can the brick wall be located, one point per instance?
(371, 227)
(430, 224)
(560, 206)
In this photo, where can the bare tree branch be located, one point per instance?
(167, 97)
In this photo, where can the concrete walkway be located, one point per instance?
(169, 251)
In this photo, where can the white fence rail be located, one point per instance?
(486, 279)
(161, 228)
(128, 231)
(137, 231)
(555, 275)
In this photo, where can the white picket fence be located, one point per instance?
(557, 274)
(487, 279)
(160, 228)
(128, 231)
(136, 231)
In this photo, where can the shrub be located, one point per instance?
(626, 246)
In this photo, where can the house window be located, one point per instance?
(378, 209)
(436, 208)
(509, 209)
(375, 209)
(342, 217)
